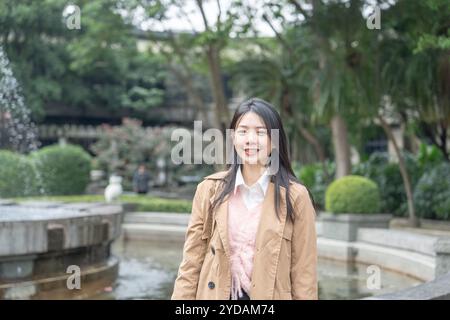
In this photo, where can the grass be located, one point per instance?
(142, 202)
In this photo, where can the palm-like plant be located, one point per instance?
(275, 76)
(416, 72)
(333, 31)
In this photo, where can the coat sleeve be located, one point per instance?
(194, 247)
(304, 250)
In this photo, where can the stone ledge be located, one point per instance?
(414, 264)
(345, 226)
(157, 218)
(438, 289)
(398, 239)
(29, 229)
(353, 217)
(153, 232)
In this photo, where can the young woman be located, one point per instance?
(246, 238)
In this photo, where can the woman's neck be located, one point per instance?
(251, 173)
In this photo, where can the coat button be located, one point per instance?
(211, 285)
(213, 250)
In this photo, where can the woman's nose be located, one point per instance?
(251, 137)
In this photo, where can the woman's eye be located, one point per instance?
(262, 132)
(241, 131)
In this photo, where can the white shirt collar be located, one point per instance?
(262, 182)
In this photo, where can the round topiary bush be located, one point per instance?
(62, 170)
(432, 193)
(352, 194)
(17, 176)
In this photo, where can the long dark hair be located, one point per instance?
(283, 176)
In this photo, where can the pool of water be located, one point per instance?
(148, 270)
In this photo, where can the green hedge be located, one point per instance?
(159, 204)
(17, 176)
(62, 170)
(143, 202)
(432, 193)
(352, 194)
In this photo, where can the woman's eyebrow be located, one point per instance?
(257, 127)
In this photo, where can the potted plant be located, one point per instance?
(352, 202)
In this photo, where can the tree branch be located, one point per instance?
(278, 35)
(298, 7)
(202, 11)
(219, 14)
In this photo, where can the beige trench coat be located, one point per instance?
(285, 260)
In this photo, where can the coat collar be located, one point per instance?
(269, 225)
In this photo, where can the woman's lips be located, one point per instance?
(251, 151)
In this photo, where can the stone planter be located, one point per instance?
(344, 226)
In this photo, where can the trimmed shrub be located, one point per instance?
(62, 170)
(17, 176)
(352, 194)
(432, 193)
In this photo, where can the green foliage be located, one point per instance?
(96, 65)
(122, 148)
(62, 170)
(389, 180)
(144, 83)
(352, 194)
(314, 178)
(414, 64)
(159, 204)
(429, 156)
(432, 193)
(17, 175)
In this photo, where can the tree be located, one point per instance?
(413, 71)
(209, 41)
(335, 28)
(91, 67)
(416, 66)
(272, 73)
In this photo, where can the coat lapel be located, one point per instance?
(221, 218)
(269, 225)
(268, 245)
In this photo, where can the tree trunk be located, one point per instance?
(341, 146)
(221, 106)
(222, 113)
(413, 221)
(317, 148)
(286, 107)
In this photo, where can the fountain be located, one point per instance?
(17, 132)
(49, 250)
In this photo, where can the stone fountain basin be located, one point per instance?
(40, 240)
(41, 227)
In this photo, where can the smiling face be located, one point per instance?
(252, 140)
